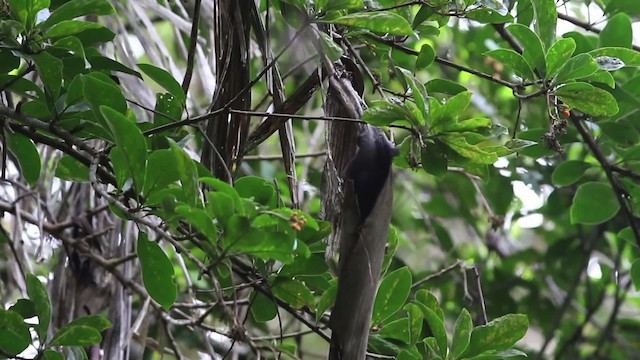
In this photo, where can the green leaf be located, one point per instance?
(414, 325)
(617, 33)
(328, 5)
(419, 94)
(27, 154)
(569, 172)
(26, 11)
(222, 205)
(98, 322)
(436, 324)
(99, 91)
(76, 335)
(327, 299)
(379, 21)
(546, 17)
(488, 16)
(594, 203)
(444, 86)
(579, 66)
(628, 56)
(293, 292)
(224, 187)
(73, 45)
(461, 334)
(164, 79)
(330, 47)
(201, 220)
(52, 355)
(14, 333)
(50, 70)
(513, 60)
(76, 8)
(188, 173)
(262, 191)
(468, 125)
(157, 272)
(588, 99)
(130, 141)
(73, 27)
(8, 61)
(69, 168)
(434, 159)
(383, 113)
(397, 329)
(635, 274)
(40, 298)
(425, 57)
(458, 143)
(158, 175)
(263, 308)
(24, 307)
(533, 52)
(559, 53)
(499, 334)
(392, 293)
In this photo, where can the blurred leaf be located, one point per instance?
(40, 298)
(392, 293)
(617, 33)
(397, 329)
(293, 292)
(14, 333)
(444, 86)
(262, 191)
(8, 61)
(157, 272)
(594, 203)
(76, 335)
(76, 8)
(27, 154)
(488, 16)
(69, 168)
(263, 308)
(414, 324)
(201, 220)
(73, 27)
(328, 5)
(158, 175)
(434, 159)
(425, 57)
(52, 355)
(635, 274)
(569, 172)
(333, 50)
(327, 299)
(379, 21)
(25, 307)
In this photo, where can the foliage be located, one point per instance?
(504, 113)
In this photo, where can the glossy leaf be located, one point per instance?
(533, 50)
(577, 67)
(293, 292)
(559, 53)
(588, 99)
(157, 272)
(594, 203)
(546, 17)
(50, 70)
(392, 293)
(461, 334)
(498, 334)
(425, 57)
(76, 8)
(379, 21)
